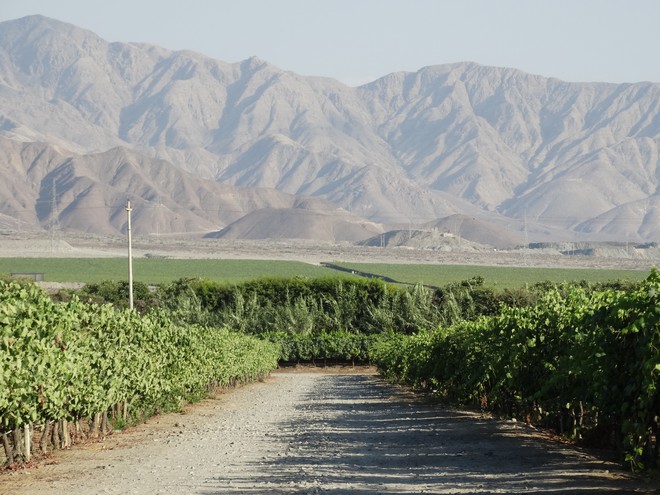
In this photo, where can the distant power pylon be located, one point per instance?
(54, 218)
(526, 233)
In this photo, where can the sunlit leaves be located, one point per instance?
(579, 360)
(72, 360)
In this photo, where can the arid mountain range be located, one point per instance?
(247, 150)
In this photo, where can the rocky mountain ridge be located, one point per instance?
(542, 158)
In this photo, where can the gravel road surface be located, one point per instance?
(309, 432)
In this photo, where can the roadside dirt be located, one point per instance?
(339, 431)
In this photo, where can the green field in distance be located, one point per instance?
(157, 270)
(163, 270)
(494, 276)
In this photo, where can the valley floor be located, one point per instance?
(188, 247)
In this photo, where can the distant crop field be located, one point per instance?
(494, 276)
(157, 271)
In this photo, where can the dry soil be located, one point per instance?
(309, 432)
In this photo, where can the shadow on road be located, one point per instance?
(357, 434)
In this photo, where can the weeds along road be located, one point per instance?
(307, 432)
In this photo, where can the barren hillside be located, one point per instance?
(496, 144)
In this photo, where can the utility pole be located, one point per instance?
(130, 257)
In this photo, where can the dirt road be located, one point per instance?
(307, 432)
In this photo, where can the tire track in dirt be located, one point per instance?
(307, 432)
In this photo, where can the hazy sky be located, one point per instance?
(357, 41)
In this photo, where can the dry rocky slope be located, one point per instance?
(311, 433)
(548, 159)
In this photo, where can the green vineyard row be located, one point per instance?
(76, 363)
(579, 358)
(584, 362)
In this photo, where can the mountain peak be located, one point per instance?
(462, 138)
(39, 24)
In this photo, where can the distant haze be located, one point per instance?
(358, 41)
(248, 150)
